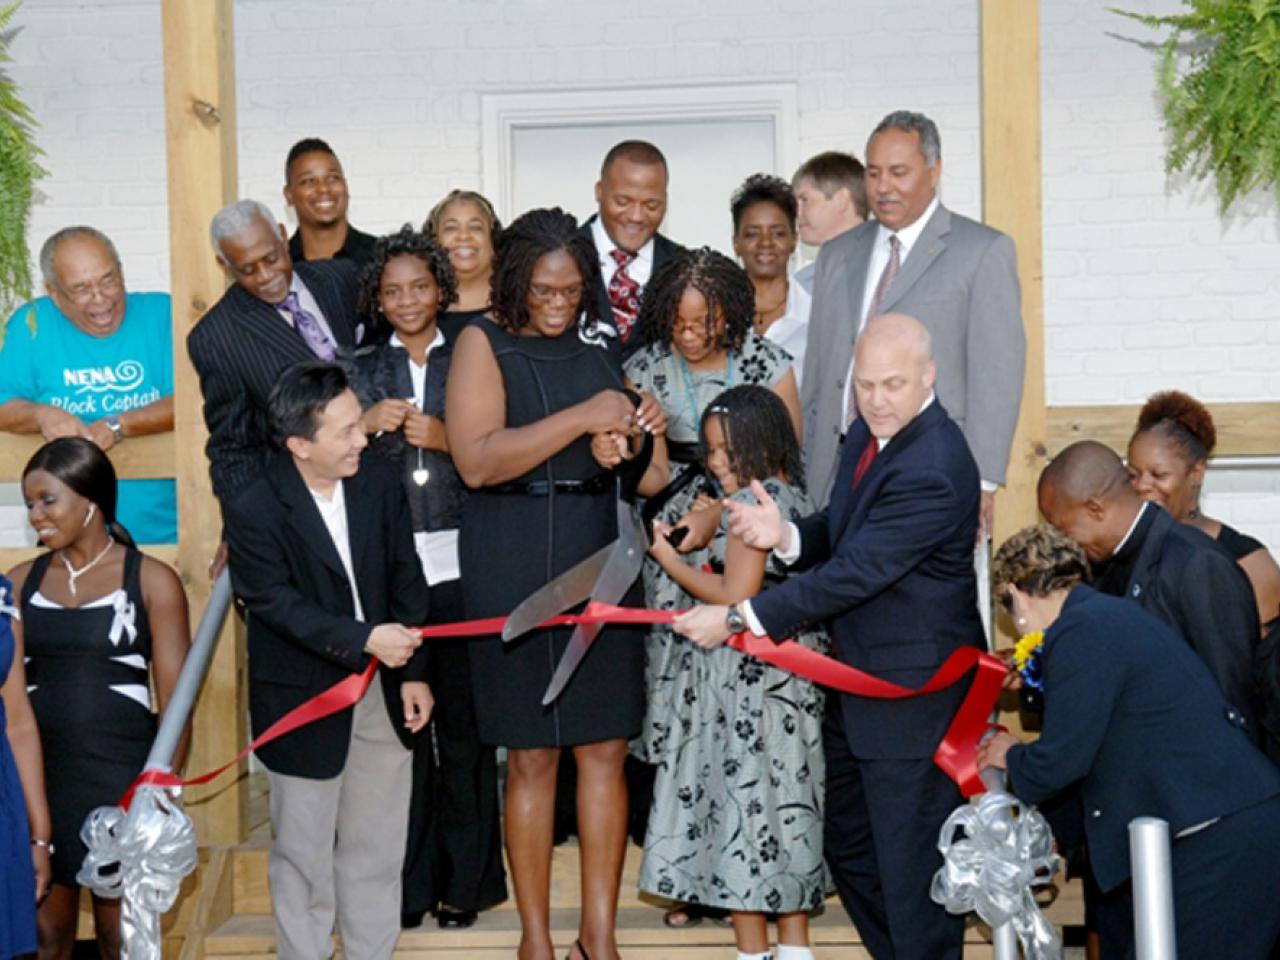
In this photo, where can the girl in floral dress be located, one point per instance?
(736, 820)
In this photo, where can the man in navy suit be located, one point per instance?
(275, 315)
(888, 565)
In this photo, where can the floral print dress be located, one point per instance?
(736, 820)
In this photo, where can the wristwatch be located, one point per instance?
(734, 619)
(113, 424)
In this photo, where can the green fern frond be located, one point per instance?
(19, 170)
(1219, 72)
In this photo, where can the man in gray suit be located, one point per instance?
(957, 276)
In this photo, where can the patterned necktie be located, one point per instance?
(887, 276)
(864, 460)
(624, 294)
(308, 326)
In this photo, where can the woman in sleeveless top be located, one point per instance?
(24, 816)
(525, 395)
(99, 621)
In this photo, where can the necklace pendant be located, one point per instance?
(421, 476)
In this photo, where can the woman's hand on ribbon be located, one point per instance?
(393, 644)
(418, 702)
(705, 626)
(992, 751)
(650, 416)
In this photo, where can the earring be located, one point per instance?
(1021, 621)
(93, 508)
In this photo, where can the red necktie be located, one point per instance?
(864, 460)
(624, 294)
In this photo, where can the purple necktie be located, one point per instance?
(306, 324)
(887, 276)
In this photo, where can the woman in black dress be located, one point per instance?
(100, 623)
(464, 224)
(1167, 458)
(453, 860)
(526, 393)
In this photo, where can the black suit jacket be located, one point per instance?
(1187, 580)
(1132, 716)
(892, 572)
(239, 349)
(303, 635)
(663, 250)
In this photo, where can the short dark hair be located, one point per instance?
(832, 171)
(405, 242)
(758, 432)
(763, 188)
(300, 396)
(724, 284)
(82, 466)
(909, 121)
(305, 145)
(530, 236)
(637, 151)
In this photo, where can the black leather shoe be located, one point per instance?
(451, 919)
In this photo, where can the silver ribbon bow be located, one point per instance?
(142, 855)
(995, 849)
(122, 622)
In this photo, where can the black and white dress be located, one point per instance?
(88, 669)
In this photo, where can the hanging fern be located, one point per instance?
(18, 173)
(1222, 109)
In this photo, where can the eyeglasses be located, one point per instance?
(83, 293)
(547, 294)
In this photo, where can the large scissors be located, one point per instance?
(603, 577)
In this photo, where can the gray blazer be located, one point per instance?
(961, 281)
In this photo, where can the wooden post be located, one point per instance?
(200, 135)
(1011, 191)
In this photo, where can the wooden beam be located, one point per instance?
(200, 137)
(1244, 429)
(1011, 201)
(138, 457)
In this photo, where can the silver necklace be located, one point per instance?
(73, 574)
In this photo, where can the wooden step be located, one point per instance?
(641, 936)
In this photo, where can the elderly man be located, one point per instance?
(1172, 569)
(316, 188)
(92, 360)
(631, 200)
(831, 199)
(957, 276)
(274, 316)
(889, 567)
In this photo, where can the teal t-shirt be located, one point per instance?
(48, 359)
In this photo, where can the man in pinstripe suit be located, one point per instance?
(273, 316)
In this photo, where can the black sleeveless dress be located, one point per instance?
(83, 664)
(512, 543)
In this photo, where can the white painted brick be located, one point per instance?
(1232, 334)
(1152, 336)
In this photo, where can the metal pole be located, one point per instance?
(1149, 852)
(1004, 939)
(178, 710)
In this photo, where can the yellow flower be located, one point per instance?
(1026, 648)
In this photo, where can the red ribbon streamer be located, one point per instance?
(956, 754)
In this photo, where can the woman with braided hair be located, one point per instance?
(1168, 454)
(526, 393)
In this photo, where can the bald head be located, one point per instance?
(893, 372)
(1085, 493)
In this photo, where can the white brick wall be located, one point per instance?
(1145, 287)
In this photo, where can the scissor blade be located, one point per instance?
(556, 596)
(626, 556)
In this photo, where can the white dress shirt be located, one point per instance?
(639, 269)
(791, 330)
(334, 514)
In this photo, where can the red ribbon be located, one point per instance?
(956, 754)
